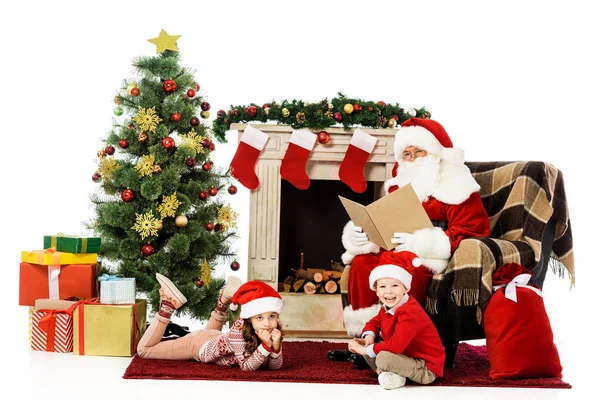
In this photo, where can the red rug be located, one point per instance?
(306, 362)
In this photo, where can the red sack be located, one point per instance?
(518, 335)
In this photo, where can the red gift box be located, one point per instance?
(52, 330)
(73, 280)
(519, 338)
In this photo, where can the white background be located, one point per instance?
(509, 80)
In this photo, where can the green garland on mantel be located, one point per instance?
(341, 110)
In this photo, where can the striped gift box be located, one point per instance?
(52, 330)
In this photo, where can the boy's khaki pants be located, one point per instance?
(408, 367)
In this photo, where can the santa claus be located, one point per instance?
(427, 159)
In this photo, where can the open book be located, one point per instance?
(399, 211)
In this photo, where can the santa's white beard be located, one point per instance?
(423, 174)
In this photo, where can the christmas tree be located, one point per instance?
(159, 207)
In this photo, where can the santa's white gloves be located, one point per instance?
(404, 240)
(356, 242)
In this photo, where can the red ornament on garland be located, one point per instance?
(323, 137)
(235, 112)
(147, 250)
(232, 189)
(197, 86)
(194, 121)
(175, 117)
(251, 111)
(235, 266)
(337, 116)
(191, 93)
(190, 162)
(357, 107)
(205, 143)
(220, 113)
(265, 106)
(205, 106)
(96, 177)
(168, 143)
(199, 283)
(206, 166)
(110, 150)
(127, 195)
(210, 226)
(123, 143)
(169, 86)
(135, 92)
(213, 191)
(211, 146)
(381, 104)
(131, 126)
(203, 195)
(218, 227)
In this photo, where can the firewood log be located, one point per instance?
(287, 283)
(298, 284)
(331, 287)
(336, 266)
(310, 275)
(310, 288)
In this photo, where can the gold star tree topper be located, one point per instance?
(165, 42)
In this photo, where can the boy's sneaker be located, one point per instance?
(170, 292)
(391, 380)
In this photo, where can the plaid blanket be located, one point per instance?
(520, 198)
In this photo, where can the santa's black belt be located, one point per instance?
(440, 224)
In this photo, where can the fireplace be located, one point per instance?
(285, 221)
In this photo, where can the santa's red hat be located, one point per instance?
(428, 135)
(397, 265)
(256, 297)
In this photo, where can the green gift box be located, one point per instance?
(72, 244)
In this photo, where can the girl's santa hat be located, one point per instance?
(429, 135)
(256, 297)
(397, 265)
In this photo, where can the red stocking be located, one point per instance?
(351, 171)
(293, 166)
(242, 166)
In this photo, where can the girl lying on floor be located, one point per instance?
(254, 339)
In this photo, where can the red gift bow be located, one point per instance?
(48, 324)
(95, 301)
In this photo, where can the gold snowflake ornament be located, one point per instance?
(169, 205)
(146, 166)
(147, 119)
(192, 140)
(107, 167)
(227, 217)
(146, 224)
(205, 272)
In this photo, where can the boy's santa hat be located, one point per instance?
(256, 297)
(397, 265)
(428, 135)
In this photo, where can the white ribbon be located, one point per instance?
(53, 273)
(511, 288)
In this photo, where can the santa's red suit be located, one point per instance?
(449, 195)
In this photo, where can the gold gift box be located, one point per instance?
(108, 330)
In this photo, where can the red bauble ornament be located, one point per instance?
(370, 108)
(194, 121)
(135, 92)
(337, 116)
(323, 137)
(251, 111)
(205, 143)
(210, 226)
(168, 143)
(213, 191)
(205, 106)
(220, 113)
(218, 227)
(110, 150)
(211, 146)
(395, 117)
(123, 143)
(191, 93)
(235, 266)
(147, 250)
(96, 177)
(169, 86)
(265, 106)
(381, 104)
(235, 112)
(357, 107)
(203, 195)
(197, 86)
(131, 126)
(190, 162)
(127, 195)
(199, 283)
(206, 166)
(175, 117)
(232, 189)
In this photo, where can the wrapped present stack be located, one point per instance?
(60, 287)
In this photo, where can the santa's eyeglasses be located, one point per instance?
(408, 155)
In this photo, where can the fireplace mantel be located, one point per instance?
(304, 315)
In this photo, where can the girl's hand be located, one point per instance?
(265, 337)
(276, 339)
